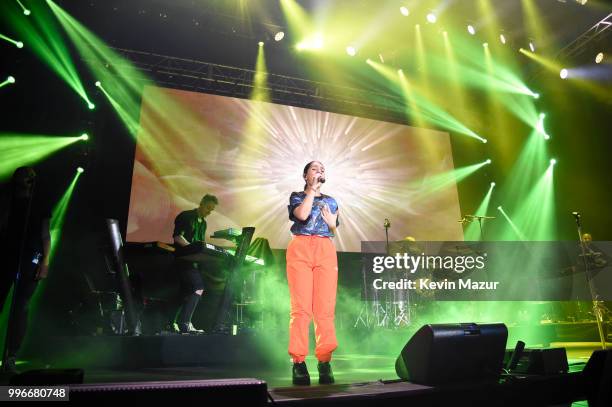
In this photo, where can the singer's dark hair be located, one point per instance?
(306, 168)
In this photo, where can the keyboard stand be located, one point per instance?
(223, 323)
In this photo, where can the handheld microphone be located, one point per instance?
(321, 180)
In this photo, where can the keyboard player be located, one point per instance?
(190, 227)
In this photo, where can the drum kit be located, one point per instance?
(398, 307)
(395, 307)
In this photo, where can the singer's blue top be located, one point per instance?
(314, 224)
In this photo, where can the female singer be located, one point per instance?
(312, 274)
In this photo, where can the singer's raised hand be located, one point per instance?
(329, 217)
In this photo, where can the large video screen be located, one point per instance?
(251, 155)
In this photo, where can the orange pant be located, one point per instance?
(312, 273)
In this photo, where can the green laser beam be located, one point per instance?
(19, 150)
(473, 230)
(58, 216)
(44, 38)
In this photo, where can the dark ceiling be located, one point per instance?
(224, 31)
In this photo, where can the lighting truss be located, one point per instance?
(198, 76)
(578, 46)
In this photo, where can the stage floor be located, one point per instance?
(349, 369)
(359, 378)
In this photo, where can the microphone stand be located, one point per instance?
(597, 308)
(387, 224)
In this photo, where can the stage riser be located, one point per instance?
(154, 351)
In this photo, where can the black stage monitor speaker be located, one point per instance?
(597, 377)
(241, 392)
(452, 353)
(538, 361)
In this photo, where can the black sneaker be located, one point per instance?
(326, 376)
(300, 374)
(10, 365)
(189, 329)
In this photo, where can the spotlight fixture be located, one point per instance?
(19, 44)
(279, 36)
(404, 10)
(502, 38)
(80, 170)
(485, 44)
(563, 73)
(492, 184)
(260, 43)
(91, 106)
(488, 161)
(531, 46)
(431, 17)
(484, 140)
(84, 137)
(27, 12)
(10, 79)
(553, 161)
(499, 208)
(471, 29)
(599, 57)
(98, 84)
(351, 51)
(583, 2)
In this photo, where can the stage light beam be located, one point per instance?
(16, 43)
(26, 11)
(47, 43)
(473, 231)
(516, 230)
(58, 215)
(27, 149)
(314, 42)
(8, 81)
(539, 127)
